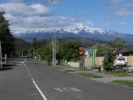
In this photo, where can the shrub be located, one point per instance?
(108, 61)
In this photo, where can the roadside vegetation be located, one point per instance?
(110, 54)
(119, 74)
(11, 46)
(6, 39)
(128, 83)
(68, 50)
(89, 75)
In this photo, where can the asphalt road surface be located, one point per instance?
(29, 81)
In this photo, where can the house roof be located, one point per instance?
(126, 50)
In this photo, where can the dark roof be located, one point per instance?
(126, 51)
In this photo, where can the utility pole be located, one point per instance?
(54, 49)
(0, 56)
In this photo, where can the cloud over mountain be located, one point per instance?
(108, 14)
(47, 24)
(21, 9)
(122, 8)
(25, 18)
(33, 17)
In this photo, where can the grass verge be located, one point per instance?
(128, 83)
(119, 74)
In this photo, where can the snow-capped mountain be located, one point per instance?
(78, 27)
(72, 28)
(77, 30)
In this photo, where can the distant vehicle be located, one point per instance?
(120, 62)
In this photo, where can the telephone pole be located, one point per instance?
(54, 49)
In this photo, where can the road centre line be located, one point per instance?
(35, 84)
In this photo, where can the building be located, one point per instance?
(125, 52)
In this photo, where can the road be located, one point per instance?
(29, 81)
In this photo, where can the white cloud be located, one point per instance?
(124, 12)
(26, 18)
(30, 24)
(39, 9)
(32, 17)
(122, 7)
(54, 1)
(24, 10)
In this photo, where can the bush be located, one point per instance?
(108, 61)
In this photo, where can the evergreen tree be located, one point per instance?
(109, 61)
(119, 43)
(5, 37)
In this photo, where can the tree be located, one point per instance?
(69, 51)
(119, 43)
(102, 48)
(66, 50)
(5, 37)
(22, 48)
(45, 51)
(35, 46)
(35, 43)
(108, 60)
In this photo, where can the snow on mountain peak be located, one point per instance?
(45, 24)
(78, 27)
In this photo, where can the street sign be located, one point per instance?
(82, 51)
(92, 54)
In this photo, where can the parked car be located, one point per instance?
(120, 62)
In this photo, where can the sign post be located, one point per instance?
(92, 52)
(82, 58)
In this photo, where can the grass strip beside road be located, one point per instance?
(128, 83)
(89, 75)
(119, 74)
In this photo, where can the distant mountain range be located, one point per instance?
(79, 31)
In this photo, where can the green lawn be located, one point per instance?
(128, 83)
(119, 74)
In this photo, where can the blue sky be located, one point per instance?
(99, 12)
(116, 15)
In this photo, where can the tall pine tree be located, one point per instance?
(5, 37)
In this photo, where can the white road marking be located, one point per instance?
(67, 89)
(35, 84)
(75, 89)
(39, 90)
(58, 89)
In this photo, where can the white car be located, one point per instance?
(120, 60)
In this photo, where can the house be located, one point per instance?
(126, 52)
(129, 54)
